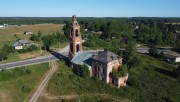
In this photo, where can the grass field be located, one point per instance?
(7, 34)
(7, 37)
(65, 82)
(16, 85)
(153, 81)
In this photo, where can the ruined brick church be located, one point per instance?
(100, 63)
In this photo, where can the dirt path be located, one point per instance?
(44, 83)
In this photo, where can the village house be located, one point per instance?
(28, 32)
(174, 57)
(4, 26)
(99, 63)
(20, 43)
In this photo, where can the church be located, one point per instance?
(100, 63)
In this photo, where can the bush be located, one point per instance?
(3, 55)
(30, 49)
(26, 88)
(121, 71)
(153, 51)
(84, 71)
(177, 72)
(28, 71)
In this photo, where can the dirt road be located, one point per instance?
(44, 83)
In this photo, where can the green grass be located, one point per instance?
(61, 45)
(7, 34)
(65, 82)
(153, 81)
(86, 98)
(16, 85)
(33, 54)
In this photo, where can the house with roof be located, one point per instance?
(20, 43)
(99, 63)
(174, 57)
(28, 32)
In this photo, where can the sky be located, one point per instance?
(90, 8)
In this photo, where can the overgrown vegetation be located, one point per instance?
(17, 84)
(55, 38)
(84, 71)
(152, 81)
(177, 72)
(6, 75)
(121, 72)
(7, 50)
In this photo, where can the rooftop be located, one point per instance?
(83, 58)
(106, 56)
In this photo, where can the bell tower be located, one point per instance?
(75, 40)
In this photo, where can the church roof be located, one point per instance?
(106, 56)
(83, 58)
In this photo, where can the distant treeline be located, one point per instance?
(60, 20)
(31, 20)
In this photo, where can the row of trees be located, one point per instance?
(50, 39)
(158, 33)
(7, 50)
(55, 38)
(31, 20)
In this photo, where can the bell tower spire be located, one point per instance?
(75, 40)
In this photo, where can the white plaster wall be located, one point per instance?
(18, 47)
(177, 59)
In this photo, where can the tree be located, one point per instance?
(177, 72)
(131, 57)
(3, 55)
(35, 37)
(39, 33)
(66, 29)
(8, 49)
(153, 51)
(84, 71)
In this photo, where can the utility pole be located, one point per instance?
(59, 43)
(40, 49)
(49, 62)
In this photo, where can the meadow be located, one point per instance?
(10, 35)
(151, 82)
(17, 85)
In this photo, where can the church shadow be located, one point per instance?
(60, 56)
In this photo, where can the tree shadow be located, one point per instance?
(165, 72)
(60, 57)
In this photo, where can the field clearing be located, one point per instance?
(7, 35)
(11, 89)
(44, 28)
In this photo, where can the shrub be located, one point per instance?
(177, 72)
(84, 71)
(153, 51)
(26, 88)
(121, 71)
(28, 71)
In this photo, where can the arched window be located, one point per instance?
(77, 47)
(71, 32)
(71, 47)
(77, 33)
